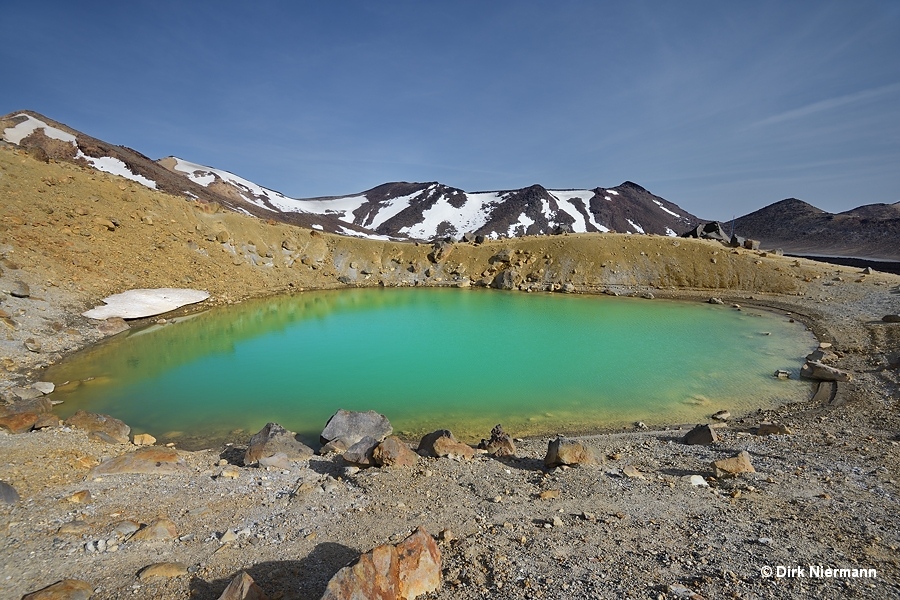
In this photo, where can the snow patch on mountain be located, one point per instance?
(637, 227)
(659, 204)
(19, 132)
(108, 164)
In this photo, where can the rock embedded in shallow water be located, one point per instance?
(273, 439)
(67, 589)
(722, 415)
(730, 467)
(348, 427)
(564, 451)
(44, 387)
(701, 435)
(105, 427)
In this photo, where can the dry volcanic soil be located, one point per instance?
(648, 517)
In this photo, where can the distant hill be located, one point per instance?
(399, 210)
(871, 231)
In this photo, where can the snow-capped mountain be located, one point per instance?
(418, 211)
(429, 210)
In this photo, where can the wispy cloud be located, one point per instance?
(824, 105)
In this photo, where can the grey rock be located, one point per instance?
(8, 494)
(44, 387)
(19, 289)
(891, 318)
(274, 439)
(822, 372)
(360, 453)
(507, 279)
(351, 426)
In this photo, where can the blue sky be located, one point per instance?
(721, 107)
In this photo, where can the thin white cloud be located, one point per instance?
(829, 104)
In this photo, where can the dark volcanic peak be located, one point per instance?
(399, 210)
(871, 231)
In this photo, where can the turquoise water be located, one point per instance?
(437, 358)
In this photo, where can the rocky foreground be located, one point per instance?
(647, 516)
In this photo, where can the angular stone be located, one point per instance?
(82, 497)
(18, 422)
(632, 472)
(279, 460)
(112, 326)
(46, 421)
(499, 443)
(730, 467)
(507, 279)
(26, 393)
(817, 370)
(144, 439)
(565, 451)
(274, 439)
(158, 530)
(360, 453)
(106, 425)
(44, 387)
(351, 426)
(19, 289)
(403, 572)
(891, 318)
(67, 589)
(37, 405)
(392, 452)
(442, 444)
(8, 494)
(242, 587)
(701, 435)
(163, 569)
(420, 565)
(150, 460)
(772, 429)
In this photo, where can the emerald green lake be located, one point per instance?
(464, 360)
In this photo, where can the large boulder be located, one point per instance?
(18, 422)
(442, 444)
(274, 439)
(564, 451)
(360, 453)
(102, 427)
(401, 572)
(346, 427)
(508, 279)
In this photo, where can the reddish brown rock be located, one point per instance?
(730, 467)
(158, 530)
(242, 587)
(565, 451)
(441, 444)
(392, 452)
(388, 572)
(18, 422)
(103, 427)
(67, 589)
(152, 460)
